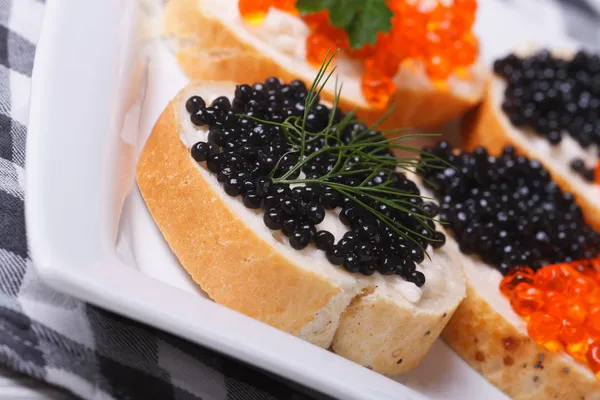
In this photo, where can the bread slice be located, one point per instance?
(485, 330)
(493, 339)
(491, 128)
(381, 322)
(212, 41)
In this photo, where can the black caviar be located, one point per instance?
(243, 152)
(552, 95)
(507, 210)
(578, 166)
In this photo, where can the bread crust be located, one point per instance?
(213, 51)
(510, 359)
(487, 129)
(232, 264)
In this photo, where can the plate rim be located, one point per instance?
(87, 276)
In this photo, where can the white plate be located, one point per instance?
(93, 104)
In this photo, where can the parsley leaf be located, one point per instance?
(311, 6)
(361, 19)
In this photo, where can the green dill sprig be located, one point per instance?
(364, 156)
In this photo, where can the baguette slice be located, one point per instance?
(491, 128)
(485, 330)
(493, 339)
(381, 322)
(212, 41)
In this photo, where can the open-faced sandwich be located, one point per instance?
(418, 55)
(547, 105)
(531, 320)
(294, 213)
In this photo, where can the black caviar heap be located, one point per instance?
(338, 164)
(552, 95)
(507, 210)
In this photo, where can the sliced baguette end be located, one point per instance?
(234, 266)
(208, 49)
(510, 359)
(489, 128)
(502, 353)
(383, 349)
(238, 269)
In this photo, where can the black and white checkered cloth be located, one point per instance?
(98, 355)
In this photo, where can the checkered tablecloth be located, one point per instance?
(99, 355)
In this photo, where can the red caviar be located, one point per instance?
(593, 322)
(438, 35)
(518, 275)
(593, 357)
(571, 332)
(543, 328)
(317, 46)
(561, 304)
(555, 303)
(526, 299)
(254, 11)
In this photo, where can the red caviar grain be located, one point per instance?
(514, 277)
(287, 6)
(437, 67)
(578, 286)
(377, 90)
(526, 299)
(571, 332)
(543, 328)
(569, 319)
(468, 5)
(254, 11)
(577, 311)
(317, 19)
(552, 277)
(317, 46)
(465, 50)
(555, 304)
(384, 64)
(593, 297)
(593, 321)
(593, 357)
